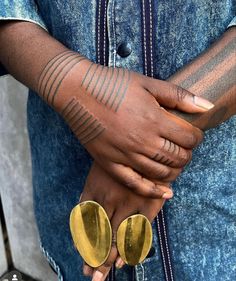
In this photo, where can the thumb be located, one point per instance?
(173, 96)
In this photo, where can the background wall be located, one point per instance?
(16, 187)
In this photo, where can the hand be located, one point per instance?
(119, 203)
(118, 117)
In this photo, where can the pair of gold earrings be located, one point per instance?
(92, 235)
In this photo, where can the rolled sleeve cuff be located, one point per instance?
(232, 23)
(21, 10)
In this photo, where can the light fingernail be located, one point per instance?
(167, 195)
(119, 263)
(200, 102)
(97, 276)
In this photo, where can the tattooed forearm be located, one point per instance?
(222, 59)
(55, 72)
(84, 125)
(212, 76)
(106, 85)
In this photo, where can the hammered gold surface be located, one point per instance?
(91, 232)
(134, 239)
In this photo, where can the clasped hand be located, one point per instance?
(122, 120)
(119, 117)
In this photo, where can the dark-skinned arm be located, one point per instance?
(212, 75)
(108, 109)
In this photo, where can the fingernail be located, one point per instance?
(119, 263)
(167, 195)
(97, 276)
(200, 102)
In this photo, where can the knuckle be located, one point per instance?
(192, 141)
(163, 173)
(196, 137)
(174, 174)
(134, 138)
(132, 183)
(108, 201)
(180, 93)
(184, 157)
(150, 172)
(200, 136)
(155, 192)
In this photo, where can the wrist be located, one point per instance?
(61, 79)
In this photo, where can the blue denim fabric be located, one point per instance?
(201, 217)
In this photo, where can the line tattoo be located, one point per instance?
(162, 159)
(212, 76)
(48, 66)
(55, 72)
(84, 125)
(50, 73)
(209, 65)
(170, 148)
(107, 85)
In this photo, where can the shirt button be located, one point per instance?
(124, 50)
(151, 252)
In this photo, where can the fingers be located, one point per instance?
(154, 169)
(119, 215)
(137, 183)
(172, 96)
(170, 154)
(119, 263)
(102, 271)
(179, 131)
(85, 196)
(116, 217)
(87, 270)
(152, 209)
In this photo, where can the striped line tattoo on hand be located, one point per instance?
(170, 147)
(107, 85)
(83, 124)
(55, 72)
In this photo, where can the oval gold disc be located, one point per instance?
(134, 239)
(91, 232)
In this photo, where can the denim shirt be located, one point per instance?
(155, 38)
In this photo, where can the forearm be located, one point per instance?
(27, 52)
(212, 75)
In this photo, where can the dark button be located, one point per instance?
(124, 50)
(151, 252)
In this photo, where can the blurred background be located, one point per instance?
(19, 241)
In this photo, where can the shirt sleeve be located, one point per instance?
(232, 23)
(25, 10)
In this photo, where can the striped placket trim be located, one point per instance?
(147, 36)
(147, 7)
(101, 32)
(164, 246)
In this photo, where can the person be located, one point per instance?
(84, 60)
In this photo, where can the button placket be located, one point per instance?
(111, 33)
